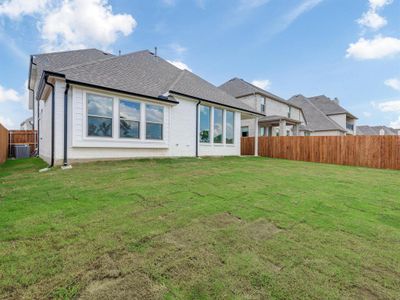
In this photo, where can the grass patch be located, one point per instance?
(187, 228)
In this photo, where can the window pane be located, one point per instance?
(129, 110)
(218, 125)
(99, 105)
(205, 120)
(129, 129)
(230, 127)
(154, 131)
(98, 126)
(245, 131)
(154, 113)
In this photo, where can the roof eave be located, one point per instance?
(213, 102)
(160, 98)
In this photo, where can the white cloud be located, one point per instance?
(83, 23)
(367, 114)
(378, 47)
(250, 4)
(394, 83)
(72, 24)
(177, 48)
(6, 122)
(180, 65)
(262, 84)
(15, 9)
(9, 95)
(389, 106)
(291, 16)
(372, 20)
(395, 124)
(302, 8)
(379, 3)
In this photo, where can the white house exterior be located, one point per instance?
(279, 116)
(324, 116)
(112, 113)
(27, 124)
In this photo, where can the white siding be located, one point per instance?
(179, 131)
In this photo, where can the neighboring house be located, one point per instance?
(91, 105)
(27, 124)
(325, 117)
(280, 117)
(377, 130)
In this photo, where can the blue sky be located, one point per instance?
(340, 48)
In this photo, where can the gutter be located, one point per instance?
(52, 120)
(160, 98)
(197, 128)
(33, 104)
(66, 124)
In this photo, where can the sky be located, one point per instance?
(349, 49)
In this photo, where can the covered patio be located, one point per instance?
(269, 122)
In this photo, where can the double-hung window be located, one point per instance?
(129, 119)
(154, 122)
(205, 121)
(218, 125)
(262, 105)
(99, 116)
(230, 127)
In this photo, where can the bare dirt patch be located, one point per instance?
(120, 275)
(260, 230)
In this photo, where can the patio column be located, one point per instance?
(269, 130)
(282, 128)
(256, 136)
(296, 130)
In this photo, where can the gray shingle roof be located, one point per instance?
(57, 60)
(375, 130)
(148, 75)
(316, 119)
(329, 106)
(239, 88)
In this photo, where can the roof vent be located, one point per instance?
(336, 100)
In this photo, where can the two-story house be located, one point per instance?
(280, 117)
(325, 117)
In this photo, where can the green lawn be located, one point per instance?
(199, 228)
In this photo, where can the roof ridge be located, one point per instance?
(177, 79)
(100, 60)
(325, 116)
(75, 50)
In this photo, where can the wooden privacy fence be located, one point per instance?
(22, 137)
(367, 151)
(3, 144)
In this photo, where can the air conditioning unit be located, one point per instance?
(21, 151)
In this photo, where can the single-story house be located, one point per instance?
(92, 105)
(377, 130)
(324, 116)
(279, 116)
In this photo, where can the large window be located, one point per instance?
(230, 127)
(129, 119)
(205, 120)
(154, 122)
(218, 125)
(100, 113)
